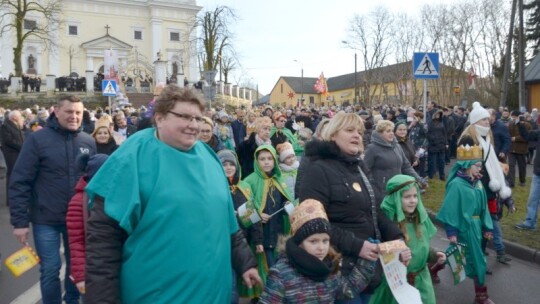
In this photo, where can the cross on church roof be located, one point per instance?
(107, 27)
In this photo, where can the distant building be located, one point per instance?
(389, 84)
(532, 83)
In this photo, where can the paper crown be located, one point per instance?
(469, 153)
(308, 210)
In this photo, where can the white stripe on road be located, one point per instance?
(33, 294)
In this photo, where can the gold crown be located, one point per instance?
(469, 153)
(308, 210)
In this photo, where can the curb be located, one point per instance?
(514, 249)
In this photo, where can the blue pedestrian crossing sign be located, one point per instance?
(426, 65)
(108, 87)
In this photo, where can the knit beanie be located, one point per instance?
(103, 122)
(284, 150)
(90, 164)
(227, 156)
(307, 219)
(478, 113)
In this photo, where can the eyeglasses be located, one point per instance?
(187, 117)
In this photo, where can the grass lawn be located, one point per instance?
(435, 194)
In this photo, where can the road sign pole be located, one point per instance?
(110, 106)
(425, 100)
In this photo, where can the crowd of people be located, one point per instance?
(147, 201)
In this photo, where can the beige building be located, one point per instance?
(136, 29)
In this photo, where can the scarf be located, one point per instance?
(261, 142)
(306, 264)
(493, 167)
(284, 167)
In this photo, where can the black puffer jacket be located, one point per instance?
(334, 179)
(436, 134)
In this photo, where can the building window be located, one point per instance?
(175, 36)
(137, 35)
(30, 24)
(73, 30)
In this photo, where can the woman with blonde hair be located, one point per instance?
(384, 157)
(246, 149)
(335, 177)
(207, 135)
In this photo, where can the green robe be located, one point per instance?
(178, 248)
(465, 209)
(419, 247)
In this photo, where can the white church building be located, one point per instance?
(136, 29)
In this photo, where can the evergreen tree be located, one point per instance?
(532, 32)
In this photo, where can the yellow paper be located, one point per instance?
(22, 260)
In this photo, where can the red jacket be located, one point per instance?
(76, 235)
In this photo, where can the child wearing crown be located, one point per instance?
(308, 270)
(466, 217)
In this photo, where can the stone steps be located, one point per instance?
(139, 99)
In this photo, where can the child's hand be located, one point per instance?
(488, 235)
(441, 257)
(265, 218)
(251, 278)
(81, 287)
(259, 249)
(369, 251)
(405, 256)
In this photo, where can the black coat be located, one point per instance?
(246, 154)
(12, 141)
(333, 179)
(437, 136)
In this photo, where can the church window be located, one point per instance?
(175, 36)
(73, 30)
(137, 35)
(30, 24)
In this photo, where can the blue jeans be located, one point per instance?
(498, 244)
(235, 296)
(47, 239)
(534, 202)
(435, 161)
(362, 299)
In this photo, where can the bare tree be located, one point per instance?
(15, 16)
(372, 35)
(215, 35)
(228, 64)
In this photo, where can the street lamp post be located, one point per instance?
(302, 84)
(355, 71)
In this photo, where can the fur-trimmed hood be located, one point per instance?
(321, 149)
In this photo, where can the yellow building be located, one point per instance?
(392, 84)
(136, 29)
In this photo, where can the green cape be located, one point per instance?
(298, 150)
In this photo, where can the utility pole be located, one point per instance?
(521, 58)
(302, 84)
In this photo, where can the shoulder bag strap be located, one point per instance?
(373, 203)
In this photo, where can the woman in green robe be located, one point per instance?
(162, 227)
(466, 218)
(403, 205)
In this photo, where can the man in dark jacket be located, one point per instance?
(12, 138)
(534, 195)
(121, 126)
(42, 183)
(239, 128)
(519, 149)
(501, 136)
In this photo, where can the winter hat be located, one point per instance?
(90, 164)
(222, 114)
(103, 122)
(478, 113)
(227, 156)
(307, 219)
(284, 150)
(515, 113)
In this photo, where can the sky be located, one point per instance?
(280, 37)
